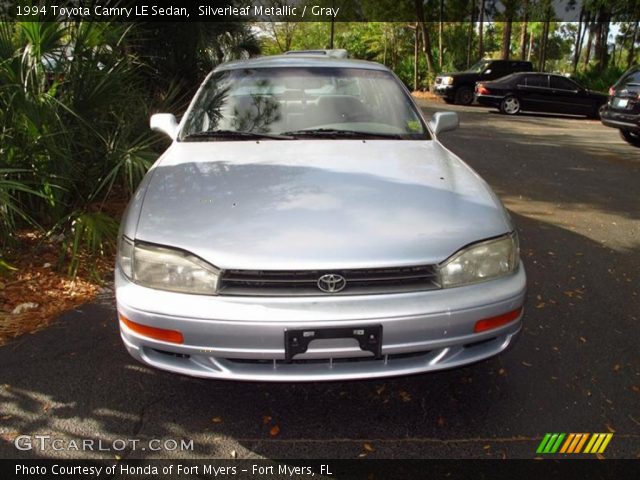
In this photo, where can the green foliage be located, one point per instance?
(94, 233)
(601, 80)
(75, 98)
(5, 267)
(13, 181)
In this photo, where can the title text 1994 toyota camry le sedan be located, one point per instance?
(306, 224)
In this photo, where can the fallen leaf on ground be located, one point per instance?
(216, 420)
(406, 396)
(526, 364)
(275, 431)
(368, 447)
(266, 419)
(616, 367)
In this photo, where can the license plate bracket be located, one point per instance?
(297, 341)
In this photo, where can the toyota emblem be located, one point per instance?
(331, 283)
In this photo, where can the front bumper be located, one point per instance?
(446, 91)
(242, 338)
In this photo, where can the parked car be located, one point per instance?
(623, 109)
(540, 92)
(306, 224)
(458, 87)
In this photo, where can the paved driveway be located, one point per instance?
(572, 187)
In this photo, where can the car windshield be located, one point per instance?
(291, 103)
(478, 67)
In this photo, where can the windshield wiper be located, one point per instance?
(217, 134)
(335, 133)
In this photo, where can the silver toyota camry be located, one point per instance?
(306, 224)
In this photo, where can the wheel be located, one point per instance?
(510, 105)
(630, 137)
(464, 96)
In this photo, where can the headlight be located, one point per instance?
(481, 261)
(167, 269)
(447, 80)
(125, 256)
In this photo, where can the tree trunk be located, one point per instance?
(416, 49)
(523, 31)
(426, 40)
(604, 42)
(617, 61)
(506, 39)
(523, 40)
(543, 46)
(532, 38)
(470, 33)
(599, 40)
(332, 33)
(632, 48)
(480, 31)
(440, 28)
(587, 55)
(578, 45)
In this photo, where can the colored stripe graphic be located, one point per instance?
(573, 443)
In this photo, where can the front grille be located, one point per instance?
(305, 282)
(327, 361)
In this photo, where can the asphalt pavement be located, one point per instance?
(572, 188)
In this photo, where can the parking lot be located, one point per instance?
(572, 188)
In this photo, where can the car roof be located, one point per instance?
(299, 60)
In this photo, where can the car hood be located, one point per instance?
(316, 204)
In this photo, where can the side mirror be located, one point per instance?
(443, 122)
(165, 123)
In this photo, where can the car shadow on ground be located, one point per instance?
(526, 113)
(574, 368)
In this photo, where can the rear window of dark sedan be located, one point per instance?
(631, 77)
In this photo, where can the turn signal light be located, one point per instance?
(482, 90)
(172, 336)
(495, 322)
(612, 91)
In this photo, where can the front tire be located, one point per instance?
(510, 105)
(464, 96)
(630, 137)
